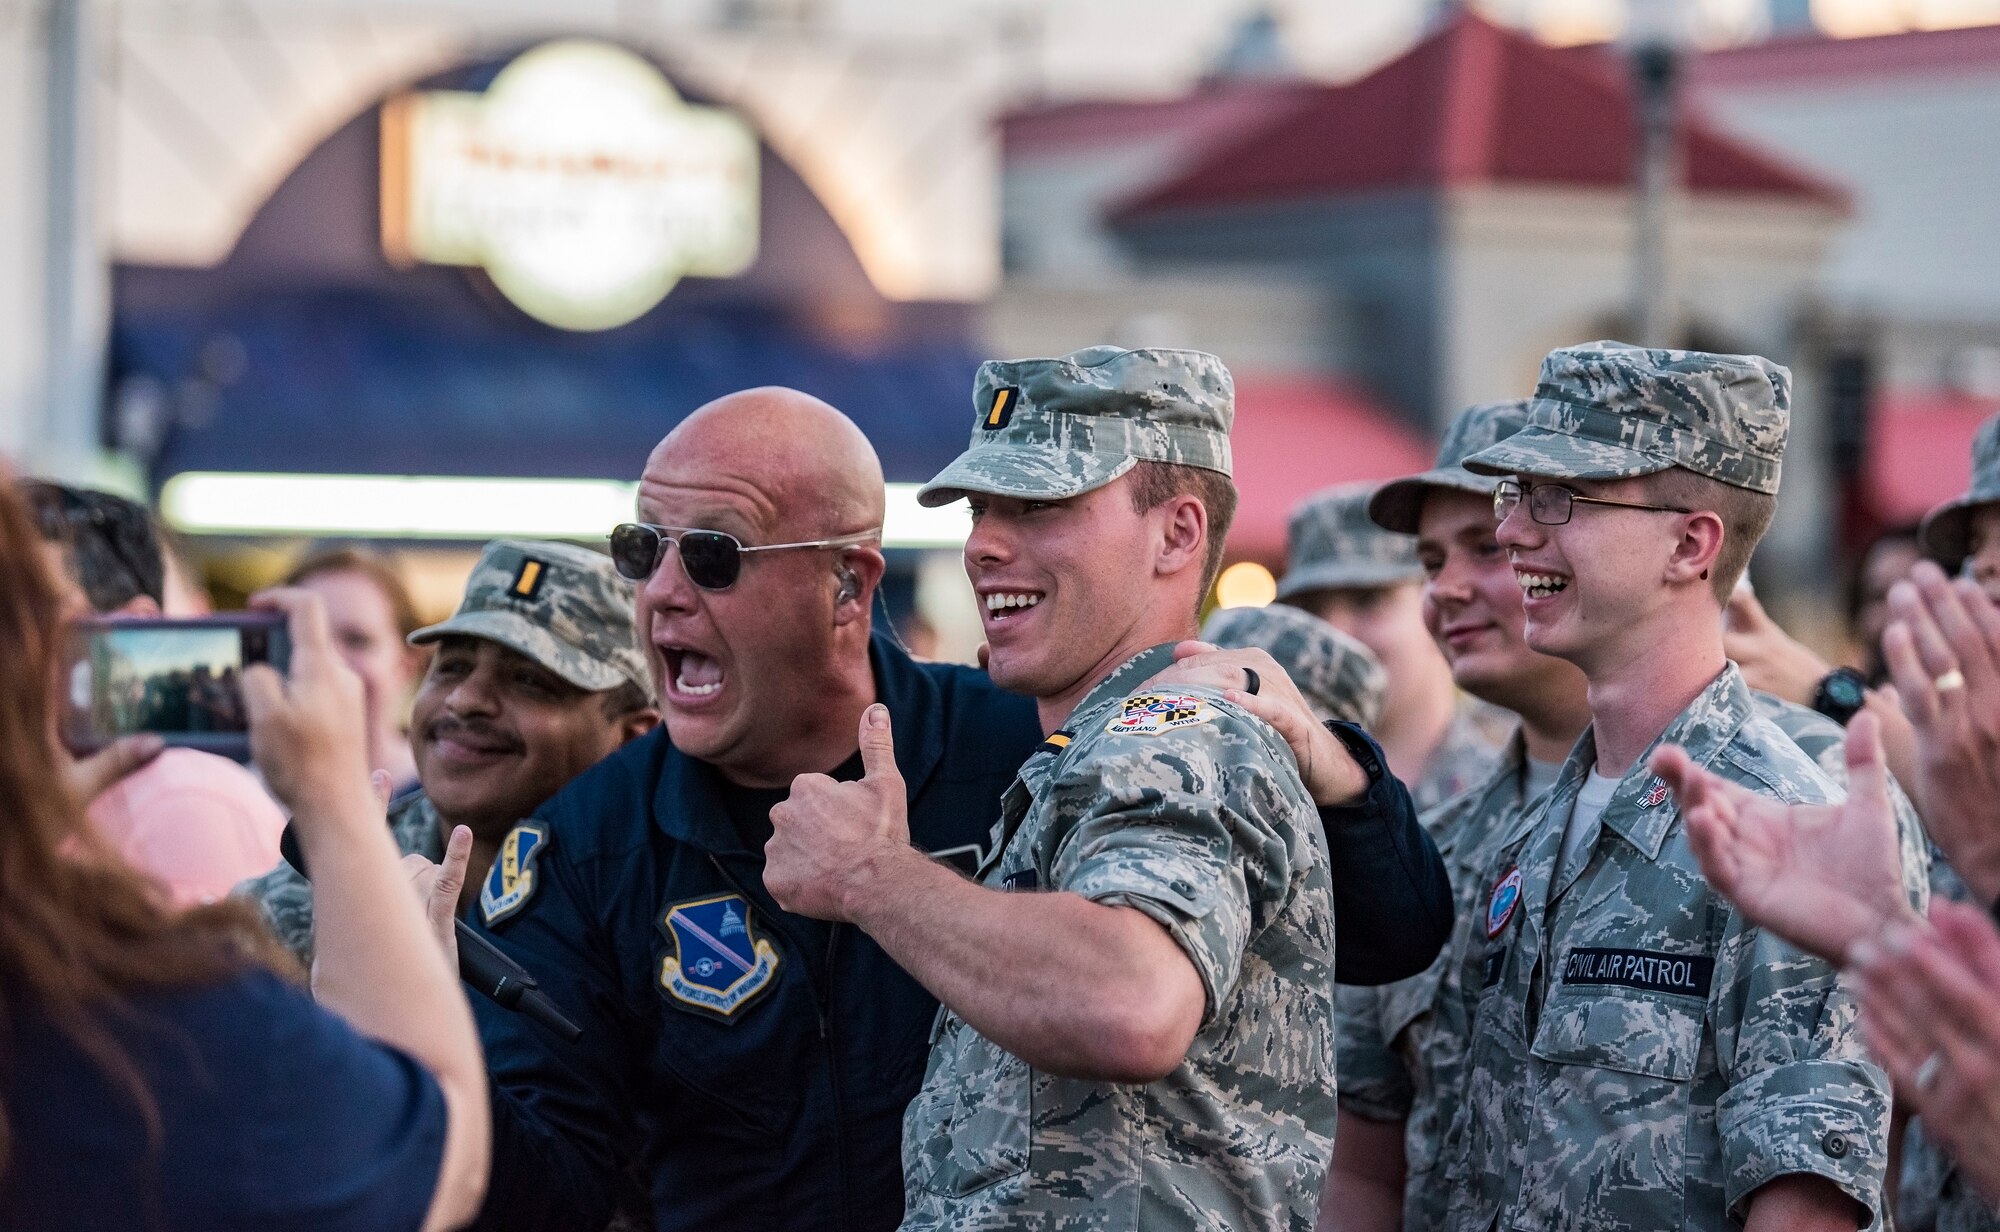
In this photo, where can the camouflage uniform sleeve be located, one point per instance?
(1199, 827)
(1802, 1095)
(287, 903)
(1373, 1080)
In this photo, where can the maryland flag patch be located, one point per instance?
(1149, 714)
(512, 882)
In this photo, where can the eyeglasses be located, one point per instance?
(713, 559)
(1551, 503)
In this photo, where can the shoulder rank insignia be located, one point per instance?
(718, 965)
(1149, 714)
(1506, 897)
(511, 883)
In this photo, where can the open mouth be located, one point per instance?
(1004, 605)
(1541, 585)
(691, 675)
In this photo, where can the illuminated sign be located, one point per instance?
(580, 181)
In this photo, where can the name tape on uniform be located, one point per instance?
(1687, 975)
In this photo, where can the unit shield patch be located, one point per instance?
(1149, 714)
(512, 882)
(1506, 897)
(717, 966)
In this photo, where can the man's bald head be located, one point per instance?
(804, 466)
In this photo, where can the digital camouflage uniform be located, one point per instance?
(1402, 1045)
(1332, 544)
(1338, 676)
(1171, 802)
(1641, 1055)
(562, 606)
(286, 897)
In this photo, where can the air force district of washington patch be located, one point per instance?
(512, 882)
(1149, 714)
(718, 966)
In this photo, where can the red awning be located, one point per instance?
(1297, 434)
(1920, 450)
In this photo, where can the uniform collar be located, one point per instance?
(1641, 810)
(1509, 774)
(688, 803)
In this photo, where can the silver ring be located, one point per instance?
(1953, 679)
(1252, 683)
(1927, 1073)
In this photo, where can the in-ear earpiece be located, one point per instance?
(850, 586)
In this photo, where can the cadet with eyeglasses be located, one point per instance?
(751, 1064)
(1643, 1055)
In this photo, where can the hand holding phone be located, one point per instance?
(181, 680)
(307, 733)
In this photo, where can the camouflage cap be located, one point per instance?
(1397, 504)
(1607, 410)
(561, 605)
(1339, 677)
(1048, 429)
(1946, 530)
(1330, 543)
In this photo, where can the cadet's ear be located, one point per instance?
(1695, 554)
(1184, 534)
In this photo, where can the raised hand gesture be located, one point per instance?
(829, 837)
(1822, 876)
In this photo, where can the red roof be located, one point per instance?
(1472, 104)
(1219, 109)
(1818, 59)
(1297, 434)
(1920, 451)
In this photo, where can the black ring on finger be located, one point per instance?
(1250, 674)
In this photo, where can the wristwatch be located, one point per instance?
(1841, 694)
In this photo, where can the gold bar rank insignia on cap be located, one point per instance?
(528, 580)
(1002, 409)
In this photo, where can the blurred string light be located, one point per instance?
(448, 507)
(1245, 584)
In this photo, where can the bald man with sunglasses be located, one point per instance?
(753, 1064)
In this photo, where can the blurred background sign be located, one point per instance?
(579, 181)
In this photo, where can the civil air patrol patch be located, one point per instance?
(511, 883)
(1149, 714)
(528, 578)
(718, 965)
(1506, 897)
(1655, 795)
(1005, 399)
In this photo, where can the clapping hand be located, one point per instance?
(1930, 1005)
(1943, 651)
(1823, 876)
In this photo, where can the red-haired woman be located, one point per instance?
(156, 1069)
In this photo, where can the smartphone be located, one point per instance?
(181, 679)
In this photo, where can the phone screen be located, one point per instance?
(182, 679)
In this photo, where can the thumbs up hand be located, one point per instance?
(830, 839)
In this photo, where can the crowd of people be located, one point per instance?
(1514, 869)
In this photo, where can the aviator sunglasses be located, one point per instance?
(713, 559)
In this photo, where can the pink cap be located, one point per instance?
(196, 823)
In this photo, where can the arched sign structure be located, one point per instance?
(580, 181)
